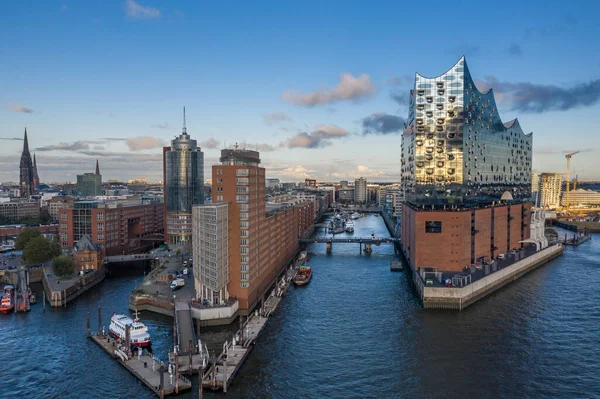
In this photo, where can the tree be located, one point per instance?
(40, 250)
(63, 266)
(45, 217)
(23, 238)
(4, 220)
(29, 221)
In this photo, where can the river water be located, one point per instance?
(356, 331)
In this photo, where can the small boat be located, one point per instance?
(349, 226)
(138, 331)
(6, 303)
(303, 275)
(355, 215)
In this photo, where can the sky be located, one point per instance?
(320, 88)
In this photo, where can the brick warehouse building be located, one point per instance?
(241, 244)
(468, 234)
(115, 227)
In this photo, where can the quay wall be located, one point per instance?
(216, 316)
(72, 288)
(151, 303)
(460, 298)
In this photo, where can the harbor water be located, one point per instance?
(356, 331)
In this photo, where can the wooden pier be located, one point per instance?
(225, 367)
(576, 241)
(155, 374)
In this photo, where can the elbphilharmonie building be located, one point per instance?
(455, 147)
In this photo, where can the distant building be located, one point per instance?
(90, 184)
(548, 189)
(113, 225)
(183, 171)
(579, 197)
(308, 183)
(345, 195)
(344, 184)
(26, 172)
(391, 199)
(55, 204)
(360, 191)
(87, 254)
(272, 183)
(241, 244)
(14, 211)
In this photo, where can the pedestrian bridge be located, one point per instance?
(352, 240)
(368, 242)
(128, 258)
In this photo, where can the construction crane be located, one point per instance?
(568, 156)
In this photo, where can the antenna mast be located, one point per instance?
(184, 130)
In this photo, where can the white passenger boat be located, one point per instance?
(355, 215)
(138, 331)
(349, 226)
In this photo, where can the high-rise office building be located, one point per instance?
(547, 190)
(183, 179)
(360, 191)
(241, 245)
(90, 184)
(456, 148)
(26, 172)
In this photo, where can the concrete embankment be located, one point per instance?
(60, 292)
(459, 298)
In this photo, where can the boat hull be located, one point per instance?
(144, 344)
(6, 310)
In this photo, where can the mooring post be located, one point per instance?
(87, 324)
(200, 382)
(99, 319)
(128, 339)
(225, 356)
(176, 374)
(65, 298)
(190, 348)
(174, 334)
(241, 331)
(214, 369)
(161, 387)
(44, 300)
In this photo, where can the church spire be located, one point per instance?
(97, 168)
(25, 143)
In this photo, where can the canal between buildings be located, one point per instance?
(356, 331)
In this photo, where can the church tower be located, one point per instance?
(26, 170)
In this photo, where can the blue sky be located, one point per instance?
(310, 83)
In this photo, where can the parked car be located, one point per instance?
(501, 256)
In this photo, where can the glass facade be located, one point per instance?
(184, 186)
(456, 148)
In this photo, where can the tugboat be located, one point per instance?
(138, 331)
(6, 304)
(303, 275)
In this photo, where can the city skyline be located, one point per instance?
(321, 103)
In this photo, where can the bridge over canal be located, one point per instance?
(368, 242)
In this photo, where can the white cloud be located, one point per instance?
(275, 117)
(19, 108)
(144, 143)
(135, 10)
(317, 138)
(349, 88)
(210, 143)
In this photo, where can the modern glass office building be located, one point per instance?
(455, 147)
(183, 187)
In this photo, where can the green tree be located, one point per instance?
(45, 217)
(29, 221)
(23, 238)
(63, 266)
(4, 220)
(39, 250)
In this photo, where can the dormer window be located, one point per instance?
(440, 92)
(452, 99)
(429, 99)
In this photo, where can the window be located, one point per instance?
(243, 241)
(241, 180)
(244, 251)
(433, 227)
(100, 226)
(241, 198)
(244, 268)
(63, 226)
(63, 216)
(100, 236)
(244, 233)
(244, 225)
(244, 276)
(100, 216)
(241, 172)
(244, 284)
(244, 216)
(244, 259)
(63, 237)
(219, 198)
(219, 171)
(243, 207)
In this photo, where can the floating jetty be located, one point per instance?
(225, 367)
(152, 372)
(396, 266)
(577, 240)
